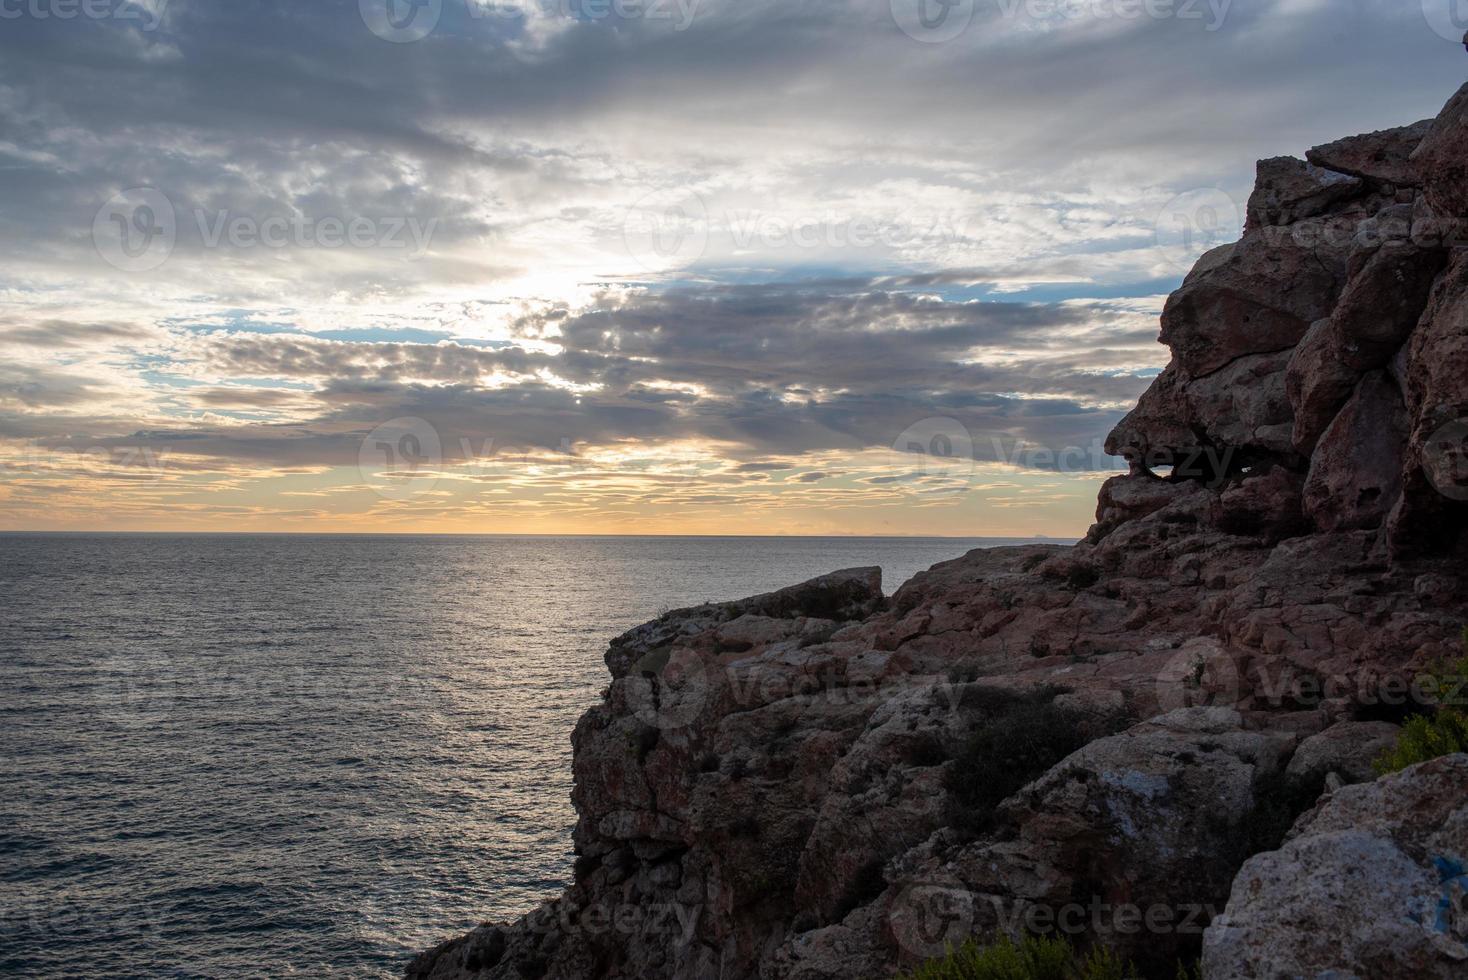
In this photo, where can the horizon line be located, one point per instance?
(500, 534)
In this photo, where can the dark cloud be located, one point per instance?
(760, 371)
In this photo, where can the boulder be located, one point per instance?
(1127, 498)
(1156, 818)
(1318, 381)
(1347, 748)
(1288, 189)
(1372, 883)
(1156, 432)
(1257, 296)
(1383, 303)
(1442, 159)
(1264, 504)
(1433, 510)
(1243, 410)
(1356, 473)
(1384, 156)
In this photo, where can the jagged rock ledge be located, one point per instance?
(815, 784)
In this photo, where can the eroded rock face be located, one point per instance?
(1385, 156)
(1356, 473)
(781, 787)
(1372, 883)
(1442, 159)
(1289, 189)
(1257, 296)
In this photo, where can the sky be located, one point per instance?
(629, 266)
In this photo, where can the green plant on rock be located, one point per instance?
(1426, 737)
(1444, 731)
(1033, 958)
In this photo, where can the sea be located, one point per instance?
(259, 755)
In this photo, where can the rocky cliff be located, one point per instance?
(1164, 730)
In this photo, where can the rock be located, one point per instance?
(1244, 410)
(850, 594)
(1383, 303)
(1356, 473)
(1288, 189)
(1209, 427)
(1442, 159)
(1348, 748)
(1258, 296)
(1156, 432)
(1126, 498)
(1266, 505)
(1384, 157)
(1318, 381)
(1156, 817)
(1433, 512)
(1371, 884)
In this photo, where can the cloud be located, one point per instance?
(882, 231)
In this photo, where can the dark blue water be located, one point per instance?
(250, 756)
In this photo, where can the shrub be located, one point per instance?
(1022, 737)
(1426, 737)
(1032, 959)
(1431, 736)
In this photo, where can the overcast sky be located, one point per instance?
(657, 266)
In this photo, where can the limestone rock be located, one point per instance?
(1372, 884)
(1348, 748)
(1152, 818)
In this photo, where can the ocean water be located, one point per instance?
(272, 756)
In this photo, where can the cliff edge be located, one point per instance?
(1158, 740)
